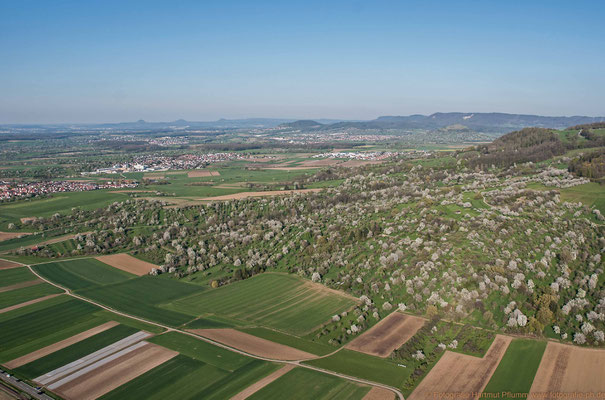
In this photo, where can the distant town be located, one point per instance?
(14, 190)
(152, 162)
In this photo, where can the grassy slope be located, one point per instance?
(141, 296)
(273, 300)
(59, 203)
(81, 273)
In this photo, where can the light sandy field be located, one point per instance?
(26, 219)
(127, 263)
(243, 195)
(255, 387)
(377, 393)
(115, 373)
(11, 235)
(17, 362)
(568, 369)
(253, 345)
(201, 173)
(27, 303)
(21, 285)
(387, 335)
(5, 264)
(459, 373)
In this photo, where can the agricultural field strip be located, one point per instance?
(59, 345)
(91, 358)
(27, 303)
(20, 285)
(218, 344)
(258, 385)
(96, 365)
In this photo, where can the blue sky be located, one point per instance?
(99, 61)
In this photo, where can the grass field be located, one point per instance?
(30, 328)
(141, 296)
(30, 240)
(81, 273)
(303, 384)
(179, 378)
(517, 369)
(363, 366)
(75, 351)
(319, 349)
(201, 350)
(59, 203)
(18, 296)
(283, 302)
(12, 276)
(181, 185)
(238, 380)
(201, 371)
(591, 194)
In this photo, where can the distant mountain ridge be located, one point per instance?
(489, 122)
(484, 122)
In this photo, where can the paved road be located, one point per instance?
(168, 328)
(23, 386)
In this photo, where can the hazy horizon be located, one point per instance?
(282, 118)
(81, 62)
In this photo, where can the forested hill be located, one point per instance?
(540, 144)
(485, 122)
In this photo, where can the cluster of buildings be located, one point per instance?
(367, 156)
(152, 162)
(13, 190)
(309, 138)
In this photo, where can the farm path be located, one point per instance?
(171, 329)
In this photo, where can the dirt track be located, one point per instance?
(12, 235)
(566, 368)
(116, 373)
(255, 387)
(27, 303)
(17, 362)
(243, 195)
(21, 285)
(459, 373)
(127, 263)
(388, 335)
(253, 345)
